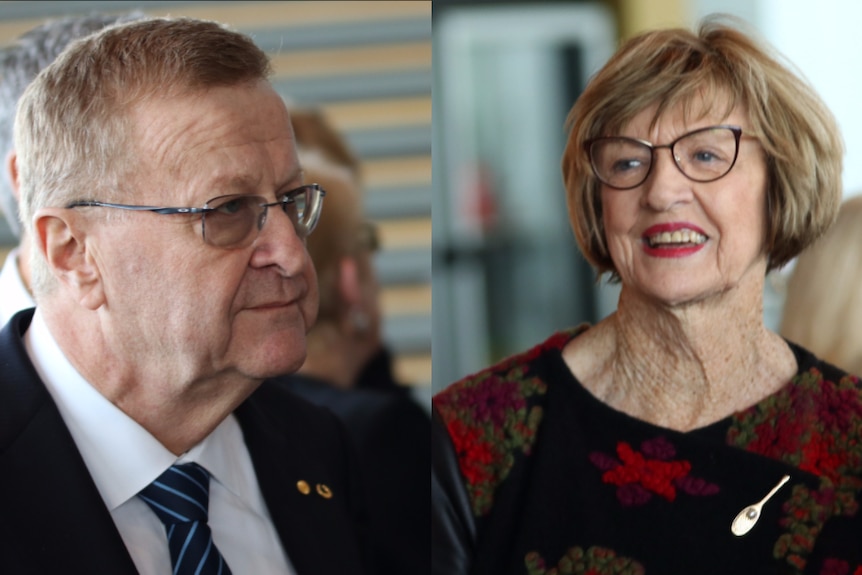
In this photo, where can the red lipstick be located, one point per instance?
(668, 248)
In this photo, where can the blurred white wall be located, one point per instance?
(821, 38)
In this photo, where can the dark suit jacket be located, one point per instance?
(391, 433)
(53, 520)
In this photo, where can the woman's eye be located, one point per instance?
(705, 156)
(625, 165)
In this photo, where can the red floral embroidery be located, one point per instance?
(491, 417)
(838, 567)
(474, 454)
(639, 475)
(655, 475)
(577, 561)
(820, 457)
(816, 425)
(813, 424)
(835, 567)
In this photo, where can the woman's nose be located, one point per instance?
(666, 185)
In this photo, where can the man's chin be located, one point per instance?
(269, 347)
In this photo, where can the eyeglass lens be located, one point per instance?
(703, 156)
(236, 220)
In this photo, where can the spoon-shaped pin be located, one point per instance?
(745, 520)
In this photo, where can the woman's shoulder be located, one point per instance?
(814, 422)
(821, 397)
(812, 367)
(492, 417)
(516, 373)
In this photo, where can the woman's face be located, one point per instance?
(679, 241)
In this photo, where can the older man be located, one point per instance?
(161, 187)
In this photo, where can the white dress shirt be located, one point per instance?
(13, 295)
(123, 458)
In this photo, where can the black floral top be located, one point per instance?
(557, 482)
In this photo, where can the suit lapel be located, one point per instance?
(317, 532)
(45, 487)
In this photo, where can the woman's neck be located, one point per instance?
(687, 366)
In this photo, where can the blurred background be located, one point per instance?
(368, 66)
(507, 270)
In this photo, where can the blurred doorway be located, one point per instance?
(507, 270)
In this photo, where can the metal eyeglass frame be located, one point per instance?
(315, 204)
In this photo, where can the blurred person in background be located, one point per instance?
(678, 435)
(823, 304)
(162, 190)
(20, 62)
(348, 368)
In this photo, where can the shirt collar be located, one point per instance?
(120, 454)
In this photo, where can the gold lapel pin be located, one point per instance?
(303, 487)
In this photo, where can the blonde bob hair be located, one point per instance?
(718, 69)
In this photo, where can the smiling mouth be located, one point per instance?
(676, 238)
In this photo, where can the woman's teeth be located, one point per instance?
(677, 237)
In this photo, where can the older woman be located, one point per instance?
(679, 435)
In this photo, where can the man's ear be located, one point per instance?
(12, 169)
(63, 242)
(351, 293)
(349, 282)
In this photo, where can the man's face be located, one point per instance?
(196, 309)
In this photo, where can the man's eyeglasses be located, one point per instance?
(235, 221)
(703, 155)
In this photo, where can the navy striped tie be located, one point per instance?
(180, 498)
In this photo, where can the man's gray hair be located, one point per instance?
(20, 63)
(74, 132)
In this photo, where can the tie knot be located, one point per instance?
(180, 494)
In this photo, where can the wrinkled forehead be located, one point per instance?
(237, 136)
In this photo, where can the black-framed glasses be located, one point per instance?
(236, 220)
(703, 155)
